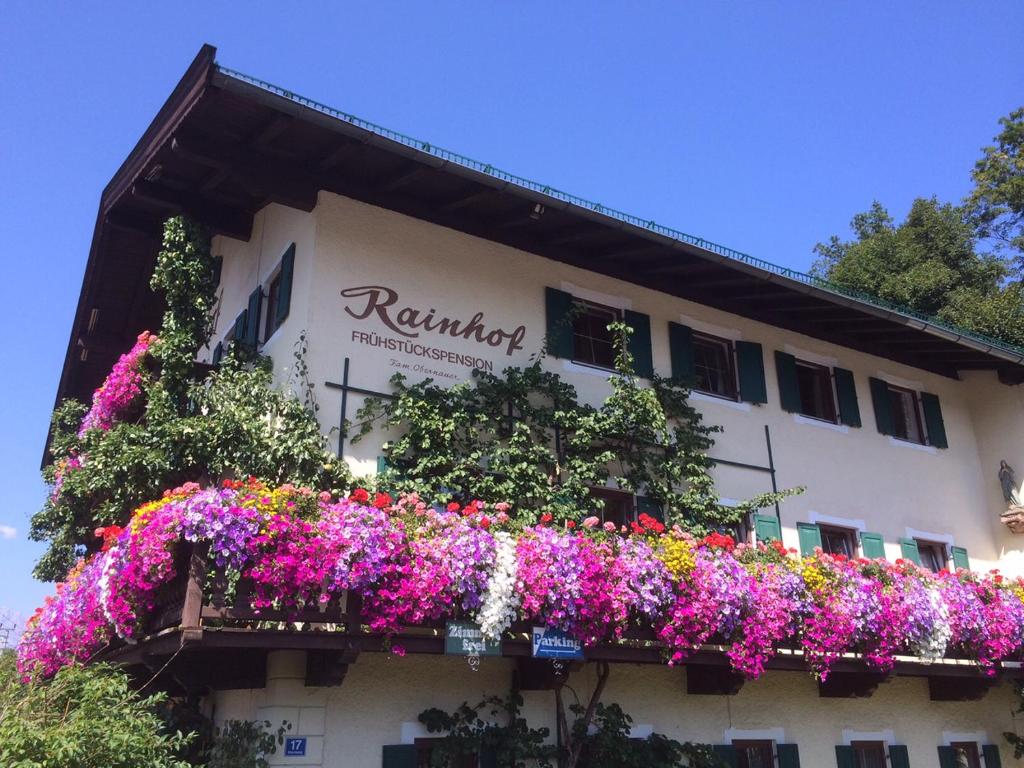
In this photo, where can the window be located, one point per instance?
(966, 753)
(817, 397)
(425, 748)
(838, 541)
(869, 754)
(933, 555)
(618, 506)
(714, 366)
(754, 754)
(905, 406)
(592, 342)
(273, 296)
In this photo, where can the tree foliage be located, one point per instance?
(84, 717)
(525, 436)
(929, 263)
(188, 428)
(997, 201)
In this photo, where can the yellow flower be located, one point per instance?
(678, 557)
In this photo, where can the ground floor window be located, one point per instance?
(618, 506)
(966, 753)
(838, 541)
(754, 754)
(933, 555)
(869, 754)
(425, 748)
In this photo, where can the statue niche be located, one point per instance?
(1013, 495)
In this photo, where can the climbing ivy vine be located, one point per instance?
(526, 437)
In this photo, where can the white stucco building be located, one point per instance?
(389, 255)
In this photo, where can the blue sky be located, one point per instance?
(762, 126)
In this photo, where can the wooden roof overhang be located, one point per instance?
(223, 146)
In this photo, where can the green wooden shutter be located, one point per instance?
(639, 345)
(218, 354)
(933, 420)
(750, 364)
(898, 756)
(789, 388)
(767, 528)
(680, 344)
(238, 330)
(991, 754)
(872, 545)
(960, 559)
(558, 305)
(399, 756)
(882, 406)
(645, 505)
(789, 755)
(947, 758)
(910, 550)
(382, 465)
(846, 391)
(252, 319)
(726, 754)
(810, 537)
(845, 756)
(284, 290)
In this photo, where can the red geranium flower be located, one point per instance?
(360, 495)
(381, 500)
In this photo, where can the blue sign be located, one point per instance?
(551, 643)
(295, 747)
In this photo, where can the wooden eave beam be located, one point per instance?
(469, 198)
(218, 218)
(404, 176)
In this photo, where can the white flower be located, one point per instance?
(500, 601)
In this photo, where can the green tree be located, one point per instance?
(929, 263)
(83, 718)
(997, 201)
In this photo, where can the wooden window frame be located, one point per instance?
(743, 744)
(827, 391)
(849, 534)
(927, 545)
(583, 307)
(862, 747)
(973, 752)
(612, 494)
(731, 373)
(273, 294)
(915, 399)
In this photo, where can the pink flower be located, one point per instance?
(591, 521)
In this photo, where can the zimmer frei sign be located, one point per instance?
(464, 638)
(550, 643)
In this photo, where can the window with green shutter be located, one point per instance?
(639, 344)
(283, 304)
(933, 420)
(872, 545)
(881, 405)
(218, 354)
(899, 757)
(750, 367)
(252, 319)
(845, 756)
(767, 528)
(909, 550)
(846, 394)
(789, 386)
(810, 538)
(991, 754)
(960, 559)
(680, 345)
(558, 307)
(400, 756)
(238, 329)
(788, 755)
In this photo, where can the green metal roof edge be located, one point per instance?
(648, 224)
